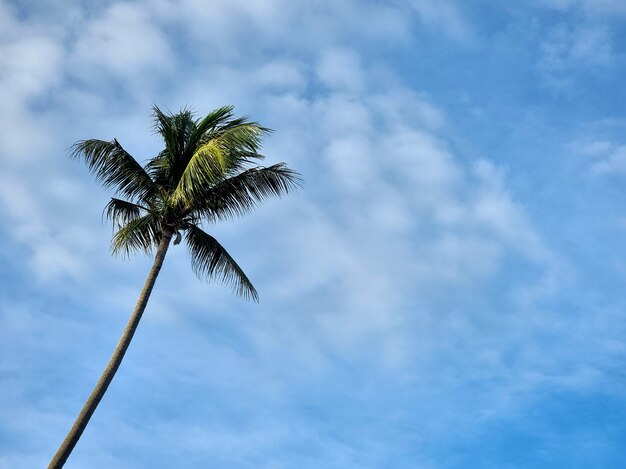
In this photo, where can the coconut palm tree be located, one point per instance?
(205, 173)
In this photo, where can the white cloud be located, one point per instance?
(281, 74)
(30, 65)
(340, 69)
(227, 25)
(394, 256)
(573, 52)
(593, 148)
(568, 47)
(594, 7)
(398, 216)
(125, 41)
(407, 215)
(403, 108)
(604, 156)
(444, 17)
(36, 213)
(614, 162)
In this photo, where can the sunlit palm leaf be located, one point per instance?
(220, 152)
(210, 259)
(238, 134)
(216, 118)
(205, 169)
(239, 145)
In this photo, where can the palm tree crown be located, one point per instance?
(206, 172)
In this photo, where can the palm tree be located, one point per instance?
(205, 173)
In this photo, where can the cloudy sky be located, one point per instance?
(446, 291)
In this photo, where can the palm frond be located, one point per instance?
(139, 234)
(121, 212)
(159, 170)
(218, 157)
(210, 259)
(205, 169)
(240, 194)
(214, 119)
(175, 130)
(114, 167)
(238, 134)
(240, 145)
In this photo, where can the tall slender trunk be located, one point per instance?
(116, 359)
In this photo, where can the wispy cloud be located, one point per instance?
(614, 162)
(594, 7)
(572, 52)
(444, 17)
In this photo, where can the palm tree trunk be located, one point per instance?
(116, 359)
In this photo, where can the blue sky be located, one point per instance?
(447, 290)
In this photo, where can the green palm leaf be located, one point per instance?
(175, 130)
(217, 154)
(121, 212)
(215, 119)
(115, 167)
(139, 234)
(210, 259)
(240, 194)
